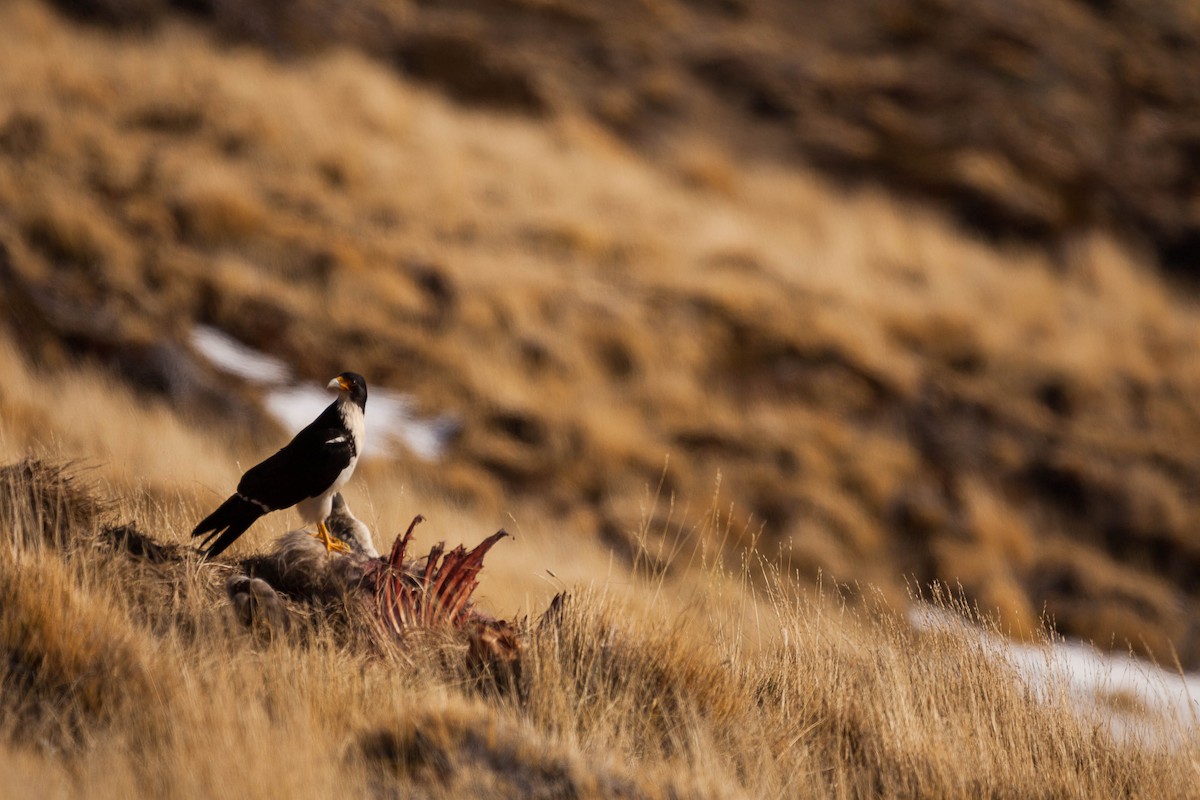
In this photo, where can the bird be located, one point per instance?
(306, 473)
(350, 529)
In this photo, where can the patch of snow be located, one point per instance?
(1170, 700)
(1097, 682)
(298, 404)
(391, 422)
(229, 355)
(392, 413)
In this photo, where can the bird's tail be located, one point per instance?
(226, 524)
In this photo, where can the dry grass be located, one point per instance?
(880, 391)
(880, 395)
(125, 677)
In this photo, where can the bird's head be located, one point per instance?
(352, 386)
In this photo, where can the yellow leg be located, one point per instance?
(330, 541)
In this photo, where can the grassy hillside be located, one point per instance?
(692, 383)
(880, 394)
(1032, 118)
(127, 675)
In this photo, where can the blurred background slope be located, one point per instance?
(912, 278)
(1029, 118)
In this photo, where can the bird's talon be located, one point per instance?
(330, 541)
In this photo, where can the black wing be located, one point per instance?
(305, 467)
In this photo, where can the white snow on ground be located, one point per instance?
(390, 419)
(1100, 684)
(229, 355)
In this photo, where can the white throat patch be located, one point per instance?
(355, 422)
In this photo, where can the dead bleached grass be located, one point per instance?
(125, 679)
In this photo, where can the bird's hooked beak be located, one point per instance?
(339, 383)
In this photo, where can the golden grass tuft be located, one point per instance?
(71, 665)
(216, 208)
(703, 165)
(71, 234)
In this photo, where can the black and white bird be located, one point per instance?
(305, 473)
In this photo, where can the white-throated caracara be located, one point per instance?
(305, 473)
